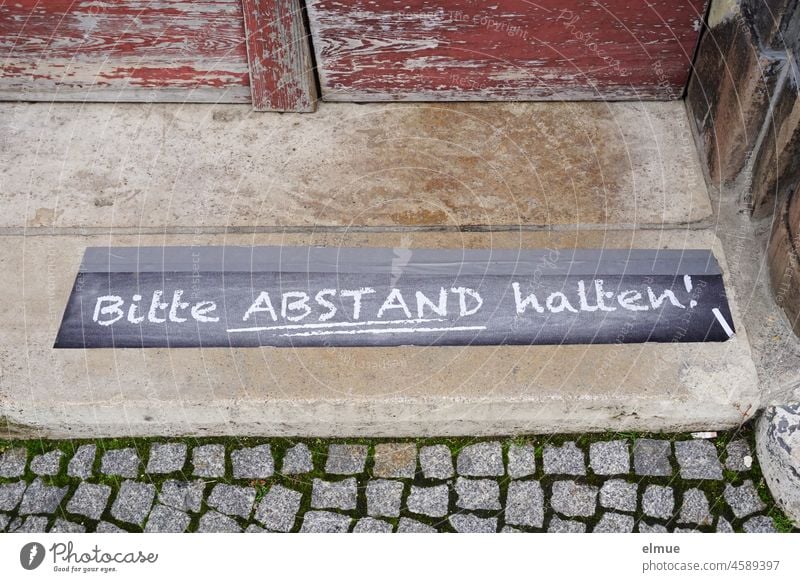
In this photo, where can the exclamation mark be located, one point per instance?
(687, 282)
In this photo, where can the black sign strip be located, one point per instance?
(391, 304)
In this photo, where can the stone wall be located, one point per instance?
(743, 98)
(744, 101)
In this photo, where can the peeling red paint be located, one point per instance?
(505, 49)
(281, 75)
(63, 47)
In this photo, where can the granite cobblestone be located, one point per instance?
(689, 483)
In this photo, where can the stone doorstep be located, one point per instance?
(348, 165)
(403, 391)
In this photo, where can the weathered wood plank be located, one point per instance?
(281, 68)
(126, 50)
(380, 50)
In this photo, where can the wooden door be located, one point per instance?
(454, 50)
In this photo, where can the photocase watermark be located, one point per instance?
(66, 558)
(31, 555)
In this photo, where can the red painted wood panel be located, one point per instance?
(123, 50)
(376, 50)
(281, 68)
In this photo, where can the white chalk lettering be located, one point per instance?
(602, 296)
(132, 310)
(201, 309)
(627, 300)
(582, 301)
(176, 305)
(667, 294)
(356, 295)
(563, 303)
(156, 305)
(462, 300)
(262, 303)
(529, 301)
(423, 301)
(113, 309)
(394, 301)
(300, 304)
(320, 298)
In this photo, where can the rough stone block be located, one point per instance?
(278, 509)
(436, 462)
(395, 460)
(346, 459)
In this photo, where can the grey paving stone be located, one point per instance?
(12, 462)
(739, 458)
(106, 527)
(509, 529)
(253, 528)
(573, 499)
(11, 494)
(611, 522)
(436, 462)
(215, 522)
(41, 498)
(645, 527)
(468, 523)
(334, 494)
(521, 461)
(279, 507)
(64, 526)
(253, 463)
(122, 462)
(89, 500)
(372, 525)
(325, 522)
(759, 524)
(182, 495)
(651, 457)
(209, 460)
(723, 525)
(477, 493)
(525, 504)
(32, 524)
(395, 460)
(610, 458)
(685, 530)
(133, 502)
(431, 501)
(384, 498)
(558, 525)
(346, 459)
(297, 460)
(743, 500)
(407, 525)
(82, 462)
(4, 519)
(567, 459)
(166, 457)
(618, 494)
(165, 519)
(698, 459)
(695, 508)
(232, 499)
(658, 501)
(481, 460)
(47, 464)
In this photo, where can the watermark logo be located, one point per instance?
(31, 555)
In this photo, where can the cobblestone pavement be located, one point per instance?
(599, 483)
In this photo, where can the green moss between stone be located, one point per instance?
(318, 447)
